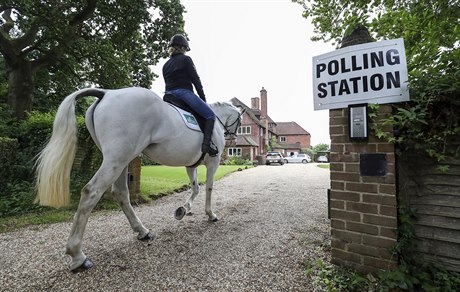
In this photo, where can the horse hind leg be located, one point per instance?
(181, 211)
(120, 192)
(90, 195)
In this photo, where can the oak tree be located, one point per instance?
(54, 46)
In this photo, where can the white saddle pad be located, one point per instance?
(188, 119)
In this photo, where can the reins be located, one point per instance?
(237, 122)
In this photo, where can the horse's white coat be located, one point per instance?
(123, 123)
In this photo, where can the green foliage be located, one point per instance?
(18, 158)
(17, 194)
(308, 151)
(8, 153)
(333, 278)
(406, 277)
(72, 44)
(238, 160)
(322, 147)
(430, 120)
(271, 144)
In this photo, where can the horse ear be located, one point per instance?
(243, 111)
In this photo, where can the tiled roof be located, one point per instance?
(281, 128)
(236, 102)
(253, 114)
(290, 128)
(244, 140)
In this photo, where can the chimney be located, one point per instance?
(263, 98)
(255, 103)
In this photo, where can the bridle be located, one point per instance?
(237, 122)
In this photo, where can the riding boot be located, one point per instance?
(208, 146)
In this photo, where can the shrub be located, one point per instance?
(8, 152)
(238, 160)
(18, 153)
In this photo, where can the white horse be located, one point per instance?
(124, 123)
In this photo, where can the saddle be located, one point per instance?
(178, 103)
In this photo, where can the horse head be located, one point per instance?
(229, 117)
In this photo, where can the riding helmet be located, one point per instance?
(179, 40)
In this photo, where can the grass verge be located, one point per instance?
(324, 165)
(156, 181)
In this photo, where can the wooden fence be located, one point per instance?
(435, 195)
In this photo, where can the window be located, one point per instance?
(282, 139)
(234, 151)
(244, 130)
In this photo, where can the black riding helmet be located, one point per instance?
(179, 40)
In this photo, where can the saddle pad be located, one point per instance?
(188, 119)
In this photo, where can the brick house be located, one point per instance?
(258, 129)
(291, 138)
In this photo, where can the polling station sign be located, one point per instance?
(368, 73)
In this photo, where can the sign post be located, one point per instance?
(363, 193)
(368, 73)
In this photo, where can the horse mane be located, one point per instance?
(221, 104)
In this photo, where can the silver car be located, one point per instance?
(299, 158)
(274, 157)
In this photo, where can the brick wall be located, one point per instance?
(304, 140)
(363, 209)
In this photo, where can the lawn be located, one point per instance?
(159, 180)
(156, 181)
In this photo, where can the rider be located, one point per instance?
(180, 73)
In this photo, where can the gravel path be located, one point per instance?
(272, 219)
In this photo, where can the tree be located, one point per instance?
(47, 44)
(431, 32)
(321, 147)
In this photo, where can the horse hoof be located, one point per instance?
(87, 264)
(213, 220)
(180, 213)
(147, 237)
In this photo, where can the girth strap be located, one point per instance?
(198, 162)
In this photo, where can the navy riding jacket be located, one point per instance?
(180, 72)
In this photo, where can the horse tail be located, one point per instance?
(54, 162)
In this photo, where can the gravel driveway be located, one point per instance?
(272, 219)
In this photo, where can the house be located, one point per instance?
(258, 132)
(291, 138)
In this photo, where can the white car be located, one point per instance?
(322, 158)
(299, 158)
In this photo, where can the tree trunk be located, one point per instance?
(20, 88)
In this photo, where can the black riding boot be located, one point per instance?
(208, 146)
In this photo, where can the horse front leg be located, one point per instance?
(120, 192)
(193, 177)
(210, 172)
(90, 195)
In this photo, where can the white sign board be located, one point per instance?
(367, 73)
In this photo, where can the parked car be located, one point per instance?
(322, 158)
(274, 157)
(299, 158)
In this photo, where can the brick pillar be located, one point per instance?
(134, 178)
(363, 209)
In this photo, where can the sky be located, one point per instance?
(240, 46)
